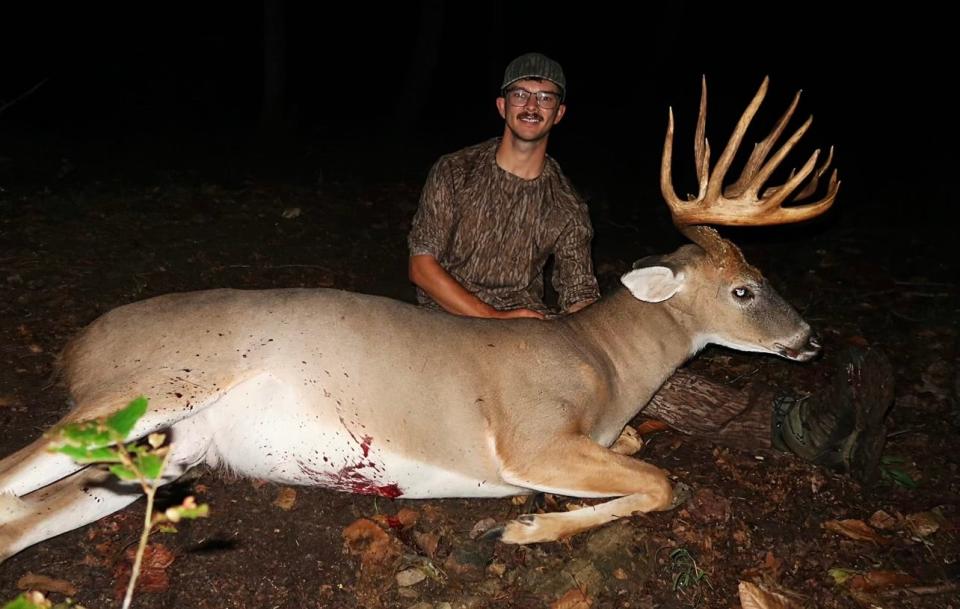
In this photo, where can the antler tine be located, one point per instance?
(799, 213)
(756, 183)
(701, 147)
(714, 189)
(811, 186)
(760, 152)
(740, 204)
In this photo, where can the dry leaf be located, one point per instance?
(854, 529)
(427, 542)
(883, 521)
(157, 558)
(286, 498)
(407, 518)
(875, 580)
(923, 524)
(573, 599)
(33, 581)
(376, 549)
(770, 567)
(753, 596)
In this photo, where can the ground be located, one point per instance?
(78, 242)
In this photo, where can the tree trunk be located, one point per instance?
(700, 407)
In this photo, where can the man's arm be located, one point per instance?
(429, 276)
(573, 276)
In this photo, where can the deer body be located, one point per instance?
(365, 394)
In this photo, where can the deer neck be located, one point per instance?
(637, 345)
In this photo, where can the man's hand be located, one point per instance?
(433, 279)
(515, 313)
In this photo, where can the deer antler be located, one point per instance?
(741, 203)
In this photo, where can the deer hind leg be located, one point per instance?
(89, 494)
(577, 466)
(33, 467)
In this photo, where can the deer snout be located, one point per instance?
(807, 349)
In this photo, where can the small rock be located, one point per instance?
(290, 213)
(482, 527)
(409, 593)
(410, 577)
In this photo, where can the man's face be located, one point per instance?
(531, 122)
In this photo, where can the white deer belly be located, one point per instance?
(264, 428)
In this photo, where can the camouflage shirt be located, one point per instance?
(494, 231)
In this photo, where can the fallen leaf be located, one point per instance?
(876, 580)
(770, 568)
(286, 498)
(883, 521)
(651, 426)
(753, 596)
(377, 550)
(841, 576)
(923, 524)
(855, 529)
(407, 518)
(43, 583)
(157, 558)
(427, 542)
(573, 599)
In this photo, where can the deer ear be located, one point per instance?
(652, 283)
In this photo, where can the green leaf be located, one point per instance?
(201, 511)
(22, 602)
(841, 575)
(122, 422)
(88, 455)
(123, 472)
(165, 528)
(88, 434)
(151, 466)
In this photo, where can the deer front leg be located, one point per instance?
(577, 466)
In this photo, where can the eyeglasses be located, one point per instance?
(545, 99)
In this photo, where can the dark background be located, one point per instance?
(381, 90)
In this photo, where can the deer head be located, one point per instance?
(720, 288)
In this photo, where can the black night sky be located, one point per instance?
(398, 84)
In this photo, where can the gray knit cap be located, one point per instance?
(535, 65)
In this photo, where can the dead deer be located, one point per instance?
(365, 394)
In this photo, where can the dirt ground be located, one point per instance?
(77, 242)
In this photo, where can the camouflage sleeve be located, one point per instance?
(573, 277)
(434, 218)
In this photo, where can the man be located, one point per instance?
(492, 214)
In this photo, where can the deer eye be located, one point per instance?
(742, 293)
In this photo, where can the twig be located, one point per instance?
(945, 588)
(20, 97)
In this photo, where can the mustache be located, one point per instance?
(534, 115)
